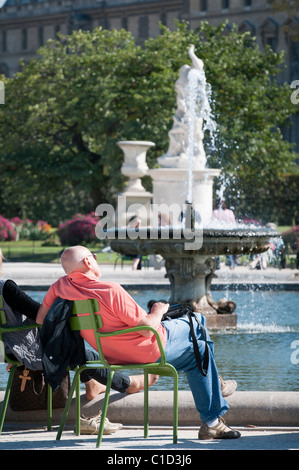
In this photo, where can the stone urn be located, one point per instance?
(134, 200)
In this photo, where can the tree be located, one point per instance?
(291, 8)
(63, 111)
(66, 110)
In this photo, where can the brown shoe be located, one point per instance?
(220, 431)
(228, 387)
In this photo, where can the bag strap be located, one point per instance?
(203, 369)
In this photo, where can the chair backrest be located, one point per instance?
(86, 316)
(2, 313)
(2, 321)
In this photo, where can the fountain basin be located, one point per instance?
(190, 261)
(215, 241)
(254, 408)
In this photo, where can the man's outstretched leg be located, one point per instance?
(95, 379)
(135, 384)
(206, 390)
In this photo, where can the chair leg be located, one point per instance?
(175, 409)
(6, 396)
(145, 406)
(78, 405)
(49, 407)
(104, 409)
(68, 404)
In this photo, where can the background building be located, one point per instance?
(25, 25)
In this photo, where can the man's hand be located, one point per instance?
(153, 319)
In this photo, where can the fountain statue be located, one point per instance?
(180, 137)
(183, 168)
(183, 185)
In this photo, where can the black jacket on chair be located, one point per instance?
(61, 347)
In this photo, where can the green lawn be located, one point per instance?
(33, 251)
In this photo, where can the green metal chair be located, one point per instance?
(15, 363)
(94, 321)
(122, 258)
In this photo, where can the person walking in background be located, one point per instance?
(135, 222)
(226, 217)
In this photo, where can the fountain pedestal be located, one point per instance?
(176, 182)
(190, 280)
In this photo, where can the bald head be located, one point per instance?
(72, 259)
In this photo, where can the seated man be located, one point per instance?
(119, 311)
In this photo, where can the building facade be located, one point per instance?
(25, 25)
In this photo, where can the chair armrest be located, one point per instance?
(11, 329)
(133, 330)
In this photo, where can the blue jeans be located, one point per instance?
(179, 352)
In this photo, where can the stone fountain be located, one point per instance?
(181, 187)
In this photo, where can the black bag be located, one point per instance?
(29, 391)
(177, 311)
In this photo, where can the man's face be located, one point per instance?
(94, 267)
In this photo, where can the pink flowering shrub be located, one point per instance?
(7, 231)
(16, 221)
(79, 230)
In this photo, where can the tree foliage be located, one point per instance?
(67, 108)
(291, 8)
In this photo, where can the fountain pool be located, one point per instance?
(258, 354)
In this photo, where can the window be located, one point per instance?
(271, 41)
(203, 5)
(163, 18)
(57, 30)
(40, 36)
(24, 39)
(124, 22)
(247, 3)
(4, 41)
(225, 4)
(4, 70)
(270, 32)
(143, 27)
